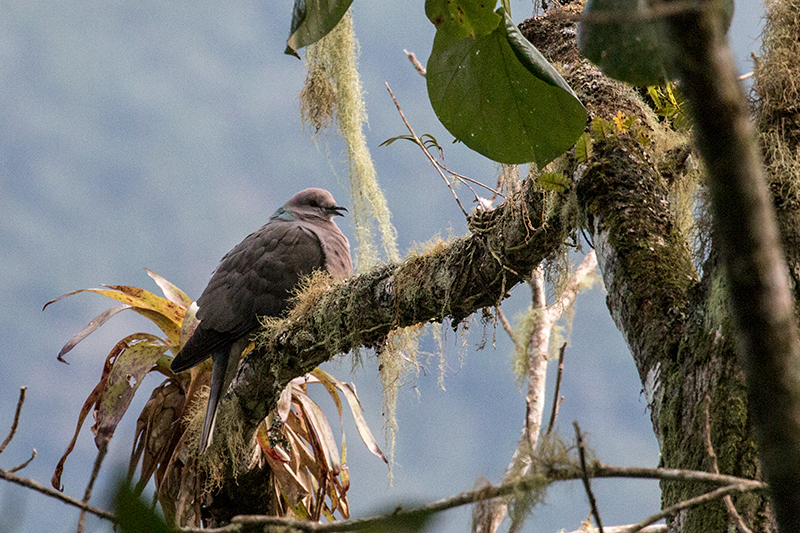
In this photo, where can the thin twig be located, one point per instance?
(47, 491)
(692, 502)
(727, 500)
(506, 325)
(25, 464)
(15, 423)
(424, 149)
(466, 178)
(556, 395)
(417, 65)
(585, 476)
(101, 454)
(658, 528)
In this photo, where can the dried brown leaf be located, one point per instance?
(157, 432)
(291, 486)
(167, 315)
(361, 423)
(124, 379)
(91, 401)
(98, 321)
(323, 442)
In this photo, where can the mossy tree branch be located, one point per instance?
(452, 281)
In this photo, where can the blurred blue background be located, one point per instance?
(158, 134)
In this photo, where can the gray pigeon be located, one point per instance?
(256, 279)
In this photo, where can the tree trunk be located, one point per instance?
(677, 325)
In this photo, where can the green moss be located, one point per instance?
(333, 78)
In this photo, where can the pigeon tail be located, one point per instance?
(226, 363)
(220, 359)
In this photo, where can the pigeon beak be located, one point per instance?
(337, 210)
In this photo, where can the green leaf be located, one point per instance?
(311, 21)
(428, 140)
(501, 98)
(463, 18)
(583, 148)
(635, 46)
(553, 181)
(603, 128)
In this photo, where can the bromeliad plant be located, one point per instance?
(309, 473)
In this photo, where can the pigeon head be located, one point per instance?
(310, 203)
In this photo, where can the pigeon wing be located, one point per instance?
(254, 279)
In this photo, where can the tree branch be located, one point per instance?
(98, 462)
(47, 491)
(257, 522)
(451, 281)
(676, 325)
(585, 477)
(714, 495)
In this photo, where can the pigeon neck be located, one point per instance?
(283, 214)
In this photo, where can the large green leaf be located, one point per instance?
(629, 43)
(312, 20)
(499, 96)
(463, 18)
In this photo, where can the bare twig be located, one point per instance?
(47, 491)
(692, 502)
(537, 355)
(657, 528)
(585, 477)
(101, 454)
(424, 149)
(557, 399)
(506, 325)
(470, 180)
(538, 349)
(25, 464)
(417, 65)
(15, 423)
(727, 500)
